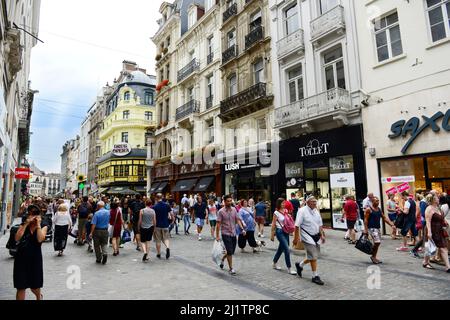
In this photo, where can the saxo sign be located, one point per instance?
(413, 127)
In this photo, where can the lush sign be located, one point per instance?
(414, 129)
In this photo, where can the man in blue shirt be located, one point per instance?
(99, 232)
(260, 216)
(201, 212)
(163, 214)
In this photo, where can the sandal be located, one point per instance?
(375, 261)
(428, 266)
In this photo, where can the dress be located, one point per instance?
(118, 226)
(28, 265)
(437, 222)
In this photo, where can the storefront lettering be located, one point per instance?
(412, 126)
(232, 167)
(314, 148)
(341, 166)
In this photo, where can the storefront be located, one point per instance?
(328, 165)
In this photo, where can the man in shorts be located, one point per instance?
(260, 216)
(409, 210)
(200, 212)
(163, 213)
(227, 219)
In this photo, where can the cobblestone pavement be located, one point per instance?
(191, 274)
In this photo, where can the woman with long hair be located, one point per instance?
(63, 223)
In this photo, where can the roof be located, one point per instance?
(135, 153)
(139, 77)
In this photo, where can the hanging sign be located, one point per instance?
(22, 173)
(121, 149)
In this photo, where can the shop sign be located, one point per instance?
(341, 164)
(121, 149)
(232, 167)
(314, 148)
(399, 189)
(22, 173)
(294, 170)
(413, 127)
(295, 183)
(342, 180)
(400, 179)
(337, 223)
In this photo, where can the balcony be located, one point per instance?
(209, 102)
(210, 58)
(333, 103)
(231, 11)
(189, 108)
(331, 22)
(244, 103)
(126, 123)
(293, 43)
(229, 54)
(188, 70)
(255, 36)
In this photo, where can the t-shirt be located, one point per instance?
(162, 211)
(84, 209)
(101, 219)
(308, 220)
(411, 205)
(260, 209)
(391, 206)
(147, 218)
(136, 207)
(228, 218)
(280, 219)
(246, 216)
(200, 210)
(212, 212)
(295, 204)
(351, 209)
(367, 203)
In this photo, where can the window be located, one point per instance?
(327, 5)
(166, 118)
(190, 94)
(255, 20)
(210, 45)
(387, 37)
(148, 116)
(334, 68)
(295, 84)
(126, 115)
(168, 72)
(262, 130)
(231, 38)
(191, 18)
(258, 69)
(161, 75)
(209, 4)
(439, 18)
(125, 137)
(161, 110)
(230, 3)
(209, 86)
(291, 21)
(168, 42)
(232, 85)
(126, 96)
(148, 98)
(210, 125)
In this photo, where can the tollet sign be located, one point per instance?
(399, 189)
(398, 179)
(22, 173)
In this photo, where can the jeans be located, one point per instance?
(175, 224)
(187, 222)
(283, 247)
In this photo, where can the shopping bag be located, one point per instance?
(74, 232)
(218, 252)
(430, 248)
(126, 236)
(299, 246)
(364, 244)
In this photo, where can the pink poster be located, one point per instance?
(403, 187)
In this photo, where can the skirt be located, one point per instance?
(60, 240)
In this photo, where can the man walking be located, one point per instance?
(184, 200)
(409, 211)
(295, 203)
(260, 216)
(163, 213)
(84, 210)
(200, 212)
(367, 202)
(135, 209)
(99, 232)
(312, 235)
(227, 219)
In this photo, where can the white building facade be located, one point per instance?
(84, 151)
(406, 73)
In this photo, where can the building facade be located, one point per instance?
(407, 79)
(53, 184)
(84, 153)
(16, 96)
(70, 159)
(130, 111)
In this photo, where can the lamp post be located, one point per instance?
(150, 139)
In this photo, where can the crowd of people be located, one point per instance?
(102, 222)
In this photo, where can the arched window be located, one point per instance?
(126, 96)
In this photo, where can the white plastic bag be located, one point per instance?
(74, 232)
(430, 248)
(218, 252)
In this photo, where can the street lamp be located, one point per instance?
(150, 139)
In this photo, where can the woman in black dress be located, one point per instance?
(28, 265)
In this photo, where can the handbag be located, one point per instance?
(364, 244)
(430, 248)
(315, 237)
(126, 236)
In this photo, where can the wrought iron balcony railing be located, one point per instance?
(192, 66)
(229, 54)
(254, 37)
(231, 11)
(243, 98)
(187, 109)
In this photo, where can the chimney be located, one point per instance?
(129, 66)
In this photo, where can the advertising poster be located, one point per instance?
(337, 223)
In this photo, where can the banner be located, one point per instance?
(400, 179)
(398, 189)
(22, 173)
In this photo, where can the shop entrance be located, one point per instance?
(317, 183)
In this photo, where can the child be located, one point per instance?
(88, 231)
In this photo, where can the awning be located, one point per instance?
(140, 188)
(154, 187)
(102, 190)
(184, 185)
(162, 186)
(121, 190)
(203, 184)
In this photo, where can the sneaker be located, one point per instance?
(276, 267)
(233, 272)
(138, 249)
(318, 281)
(199, 238)
(221, 265)
(299, 269)
(255, 250)
(415, 254)
(121, 246)
(104, 259)
(167, 253)
(98, 261)
(259, 235)
(262, 236)
(292, 272)
(403, 249)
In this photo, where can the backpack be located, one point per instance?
(288, 225)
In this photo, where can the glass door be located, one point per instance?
(318, 185)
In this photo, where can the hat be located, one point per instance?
(310, 198)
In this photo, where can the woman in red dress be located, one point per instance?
(116, 221)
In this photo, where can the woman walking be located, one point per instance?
(246, 215)
(63, 223)
(115, 222)
(186, 217)
(392, 209)
(147, 222)
(212, 216)
(28, 266)
(279, 219)
(175, 218)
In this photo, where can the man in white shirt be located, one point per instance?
(184, 200)
(367, 202)
(309, 230)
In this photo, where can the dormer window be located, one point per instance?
(126, 96)
(192, 17)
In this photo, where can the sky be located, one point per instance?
(85, 42)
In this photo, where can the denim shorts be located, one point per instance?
(199, 222)
(409, 225)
